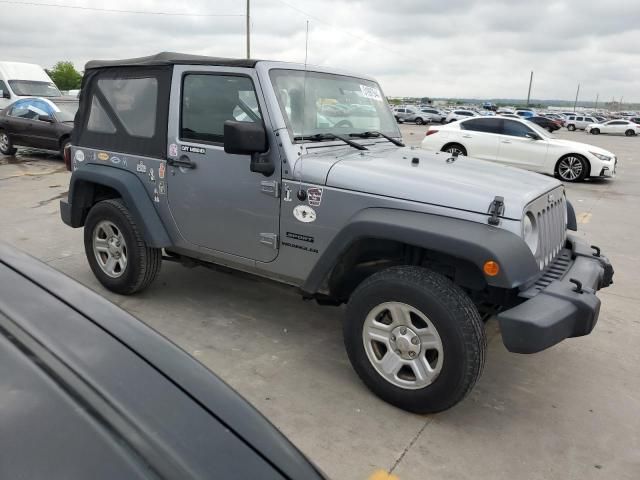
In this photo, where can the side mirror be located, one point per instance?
(5, 94)
(533, 136)
(45, 118)
(248, 138)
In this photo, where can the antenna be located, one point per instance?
(302, 194)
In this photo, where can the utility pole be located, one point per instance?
(597, 97)
(576, 102)
(621, 107)
(248, 30)
(530, 82)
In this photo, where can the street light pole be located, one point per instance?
(529, 93)
(576, 102)
(597, 97)
(248, 30)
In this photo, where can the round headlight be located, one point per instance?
(530, 232)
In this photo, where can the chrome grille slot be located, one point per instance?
(549, 212)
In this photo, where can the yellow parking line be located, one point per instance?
(382, 475)
(584, 217)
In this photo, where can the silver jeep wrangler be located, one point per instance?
(235, 163)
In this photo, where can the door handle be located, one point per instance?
(467, 136)
(506, 141)
(183, 162)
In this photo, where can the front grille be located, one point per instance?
(550, 213)
(556, 271)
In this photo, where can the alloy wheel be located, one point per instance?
(570, 168)
(110, 249)
(4, 142)
(402, 345)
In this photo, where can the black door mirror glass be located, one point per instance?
(244, 138)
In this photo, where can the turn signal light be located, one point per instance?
(491, 268)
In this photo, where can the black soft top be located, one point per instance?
(171, 58)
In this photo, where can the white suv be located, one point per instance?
(460, 114)
(523, 144)
(579, 122)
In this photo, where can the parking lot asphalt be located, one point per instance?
(570, 412)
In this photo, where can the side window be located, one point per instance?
(515, 129)
(42, 108)
(485, 125)
(579, 119)
(99, 121)
(24, 109)
(133, 100)
(210, 100)
(588, 119)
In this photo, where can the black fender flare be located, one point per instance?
(130, 189)
(470, 241)
(572, 222)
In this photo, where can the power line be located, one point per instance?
(112, 10)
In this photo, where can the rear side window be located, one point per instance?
(515, 129)
(133, 100)
(485, 125)
(125, 110)
(210, 100)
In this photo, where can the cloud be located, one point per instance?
(457, 48)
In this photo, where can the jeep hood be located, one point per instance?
(464, 184)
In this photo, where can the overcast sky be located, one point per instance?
(443, 48)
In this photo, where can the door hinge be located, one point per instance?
(270, 239)
(270, 187)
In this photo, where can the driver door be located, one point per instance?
(516, 149)
(220, 204)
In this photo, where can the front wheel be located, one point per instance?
(572, 168)
(455, 148)
(116, 251)
(415, 339)
(6, 145)
(595, 131)
(419, 121)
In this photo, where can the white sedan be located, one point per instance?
(521, 144)
(620, 127)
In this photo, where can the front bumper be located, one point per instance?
(560, 308)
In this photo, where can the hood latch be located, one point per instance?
(496, 208)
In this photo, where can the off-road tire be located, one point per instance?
(9, 149)
(454, 316)
(143, 262)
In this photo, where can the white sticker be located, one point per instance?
(371, 92)
(115, 160)
(156, 198)
(173, 150)
(304, 214)
(141, 167)
(79, 156)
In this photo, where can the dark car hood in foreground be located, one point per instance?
(88, 391)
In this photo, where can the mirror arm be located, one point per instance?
(261, 163)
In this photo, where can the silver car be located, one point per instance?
(410, 114)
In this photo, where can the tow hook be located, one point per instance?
(597, 249)
(578, 285)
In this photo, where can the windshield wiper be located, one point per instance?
(318, 137)
(375, 134)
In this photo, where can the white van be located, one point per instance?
(19, 80)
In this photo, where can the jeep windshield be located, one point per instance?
(326, 103)
(32, 88)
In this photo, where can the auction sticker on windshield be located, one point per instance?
(371, 92)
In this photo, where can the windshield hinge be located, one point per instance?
(270, 239)
(495, 210)
(270, 187)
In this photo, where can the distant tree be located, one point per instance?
(425, 101)
(65, 76)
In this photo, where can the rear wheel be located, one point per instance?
(415, 339)
(6, 145)
(571, 128)
(116, 251)
(455, 148)
(572, 168)
(630, 133)
(63, 144)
